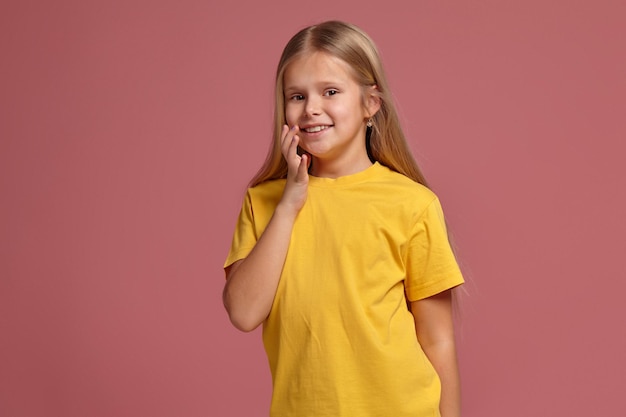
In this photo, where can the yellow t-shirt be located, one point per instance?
(339, 338)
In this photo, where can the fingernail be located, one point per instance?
(294, 127)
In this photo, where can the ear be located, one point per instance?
(372, 101)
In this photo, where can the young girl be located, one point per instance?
(340, 250)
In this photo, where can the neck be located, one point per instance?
(339, 167)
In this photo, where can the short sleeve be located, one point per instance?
(244, 237)
(431, 264)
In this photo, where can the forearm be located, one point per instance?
(444, 360)
(435, 332)
(251, 286)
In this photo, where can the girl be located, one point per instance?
(337, 236)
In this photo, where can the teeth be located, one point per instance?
(315, 129)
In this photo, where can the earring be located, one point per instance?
(370, 122)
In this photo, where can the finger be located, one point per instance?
(292, 158)
(290, 152)
(288, 140)
(303, 168)
(284, 141)
(293, 147)
(283, 135)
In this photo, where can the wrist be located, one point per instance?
(286, 211)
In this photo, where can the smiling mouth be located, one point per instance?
(315, 129)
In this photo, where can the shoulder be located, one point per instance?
(405, 189)
(268, 192)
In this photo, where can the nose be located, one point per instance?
(312, 107)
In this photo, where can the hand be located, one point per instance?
(295, 193)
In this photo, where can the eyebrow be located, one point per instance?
(337, 83)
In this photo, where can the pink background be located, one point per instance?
(129, 129)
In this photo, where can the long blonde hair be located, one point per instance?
(387, 143)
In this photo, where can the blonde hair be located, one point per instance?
(387, 143)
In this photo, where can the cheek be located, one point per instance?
(340, 111)
(291, 115)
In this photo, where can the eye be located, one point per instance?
(331, 92)
(296, 97)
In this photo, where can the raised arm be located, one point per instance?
(251, 282)
(435, 333)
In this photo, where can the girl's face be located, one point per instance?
(324, 100)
